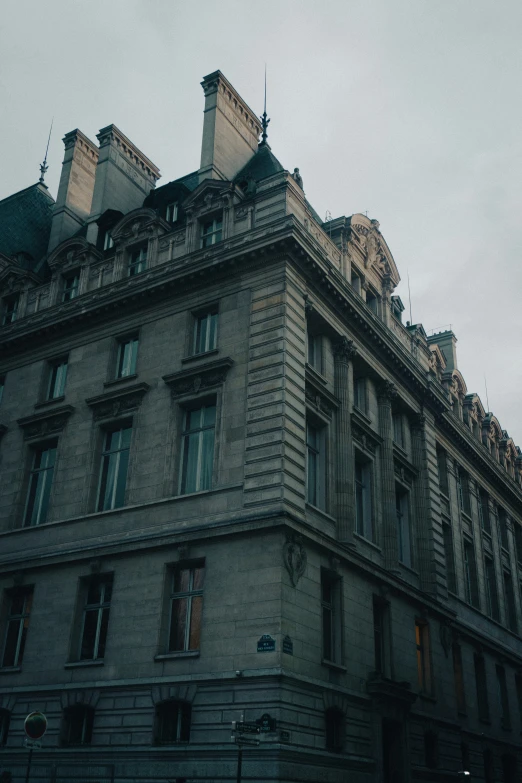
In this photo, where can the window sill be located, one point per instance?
(338, 667)
(83, 664)
(115, 381)
(174, 655)
(367, 541)
(45, 403)
(195, 356)
(10, 669)
(317, 374)
(322, 512)
(362, 413)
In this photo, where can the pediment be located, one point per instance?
(474, 403)
(137, 224)
(437, 360)
(12, 277)
(211, 195)
(72, 253)
(367, 245)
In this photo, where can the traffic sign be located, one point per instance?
(35, 725)
(247, 728)
(245, 739)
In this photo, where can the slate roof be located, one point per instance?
(261, 165)
(25, 223)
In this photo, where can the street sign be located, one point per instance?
(266, 723)
(266, 643)
(288, 646)
(245, 739)
(35, 725)
(247, 728)
(33, 744)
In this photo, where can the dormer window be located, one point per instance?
(138, 261)
(10, 309)
(108, 241)
(71, 285)
(211, 231)
(372, 302)
(171, 214)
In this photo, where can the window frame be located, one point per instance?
(316, 463)
(360, 394)
(471, 585)
(70, 292)
(78, 711)
(180, 718)
(195, 590)
(210, 318)
(138, 260)
(458, 678)
(23, 617)
(104, 605)
(363, 490)
(2, 387)
(404, 525)
(56, 378)
(509, 598)
(503, 697)
(10, 314)
(449, 554)
(208, 238)
(105, 452)
(423, 654)
(42, 491)
(185, 440)
(314, 351)
(334, 723)
(171, 212)
(125, 365)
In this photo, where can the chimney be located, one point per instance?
(73, 203)
(447, 343)
(124, 176)
(230, 130)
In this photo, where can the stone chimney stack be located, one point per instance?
(75, 191)
(447, 343)
(230, 130)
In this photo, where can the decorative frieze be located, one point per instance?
(197, 379)
(117, 403)
(40, 425)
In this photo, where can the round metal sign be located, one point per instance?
(35, 725)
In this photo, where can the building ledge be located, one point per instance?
(199, 378)
(83, 664)
(172, 656)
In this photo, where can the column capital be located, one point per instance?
(418, 421)
(386, 391)
(344, 349)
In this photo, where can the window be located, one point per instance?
(470, 575)
(10, 309)
(482, 687)
(398, 434)
(431, 749)
(363, 499)
(18, 614)
(315, 466)
(138, 261)
(2, 384)
(331, 586)
(503, 697)
(442, 464)
(40, 483)
(5, 719)
(372, 302)
(403, 526)
(458, 675)
(77, 725)
(509, 769)
(359, 393)
(334, 729)
(511, 612)
(108, 241)
(205, 332)
(483, 509)
(186, 602)
(211, 232)
(422, 640)
(127, 357)
(198, 449)
(356, 283)
(315, 351)
(71, 286)
(114, 464)
(171, 214)
(451, 579)
(95, 619)
(463, 491)
(502, 528)
(490, 579)
(172, 722)
(57, 379)
(381, 635)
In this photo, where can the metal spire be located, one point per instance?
(264, 119)
(44, 166)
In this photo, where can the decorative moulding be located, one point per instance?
(45, 423)
(196, 379)
(294, 557)
(118, 402)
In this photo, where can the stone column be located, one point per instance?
(386, 391)
(344, 351)
(423, 533)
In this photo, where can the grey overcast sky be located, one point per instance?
(409, 109)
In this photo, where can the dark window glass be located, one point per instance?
(503, 697)
(363, 499)
(490, 580)
(113, 474)
(458, 675)
(71, 286)
(138, 262)
(10, 309)
(211, 232)
(127, 357)
(464, 755)
(481, 686)
(442, 464)
(331, 616)
(451, 579)
(205, 332)
(380, 632)
(402, 508)
(95, 621)
(5, 719)
(489, 766)
(57, 379)
(511, 612)
(422, 640)
(334, 729)
(470, 574)
(40, 483)
(172, 722)
(431, 750)
(502, 528)
(186, 604)
(19, 612)
(77, 725)
(484, 516)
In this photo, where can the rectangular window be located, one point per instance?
(186, 604)
(442, 464)
(482, 687)
(71, 286)
(205, 332)
(359, 394)
(490, 579)
(402, 508)
(198, 449)
(503, 699)
(372, 302)
(77, 725)
(463, 491)
(381, 635)
(172, 723)
(114, 464)
(57, 379)
(18, 614)
(331, 586)
(502, 528)
(511, 613)
(40, 483)
(398, 434)
(211, 232)
(483, 508)
(95, 619)
(315, 466)
(422, 639)
(108, 241)
(138, 261)
(470, 575)
(458, 674)
(315, 351)
(451, 579)
(10, 309)
(171, 214)
(127, 357)
(363, 499)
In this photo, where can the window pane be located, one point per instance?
(90, 627)
(100, 653)
(11, 643)
(190, 463)
(195, 622)
(207, 455)
(199, 576)
(181, 580)
(121, 479)
(327, 633)
(178, 624)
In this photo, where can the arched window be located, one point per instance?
(334, 729)
(5, 717)
(77, 724)
(172, 722)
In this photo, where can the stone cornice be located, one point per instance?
(317, 396)
(363, 433)
(197, 379)
(40, 425)
(117, 402)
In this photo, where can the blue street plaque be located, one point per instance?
(288, 646)
(266, 723)
(266, 643)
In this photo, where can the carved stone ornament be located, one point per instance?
(200, 378)
(386, 391)
(241, 213)
(344, 349)
(294, 557)
(318, 401)
(118, 403)
(43, 424)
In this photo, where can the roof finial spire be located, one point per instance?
(264, 119)
(44, 166)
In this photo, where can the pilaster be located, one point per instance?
(386, 391)
(344, 352)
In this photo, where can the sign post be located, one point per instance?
(35, 726)
(243, 733)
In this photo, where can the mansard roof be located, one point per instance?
(261, 165)
(25, 224)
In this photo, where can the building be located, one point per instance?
(234, 483)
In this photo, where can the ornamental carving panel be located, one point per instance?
(294, 557)
(116, 404)
(198, 379)
(43, 424)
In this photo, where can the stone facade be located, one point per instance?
(356, 513)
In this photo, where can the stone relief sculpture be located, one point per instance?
(295, 557)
